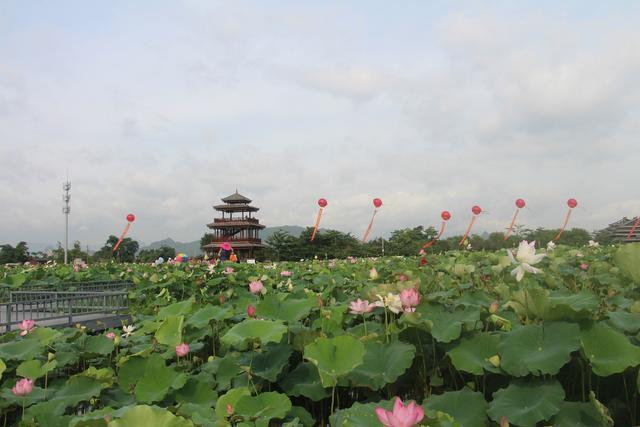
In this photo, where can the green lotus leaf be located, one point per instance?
(170, 331)
(609, 351)
(176, 309)
(157, 380)
(304, 380)
(447, 325)
(582, 414)
(203, 316)
(104, 375)
(264, 331)
(283, 307)
(98, 344)
(45, 335)
(34, 369)
(577, 306)
(627, 259)
(626, 322)
(359, 415)
(197, 391)
(200, 415)
(20, 350)
(230, 398)
(527, 403)
(538, 349)
(467, 407)
(471, 353)
(532, 302)
(263, 407)
(302, 415)
(130, 372)
(382, 364)
(7, 398)
(334, 357)
(225, 369)
(271, 361)
(76, 389)
(143, 415)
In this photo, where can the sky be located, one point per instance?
(161, 108)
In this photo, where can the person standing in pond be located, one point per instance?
(225, 252)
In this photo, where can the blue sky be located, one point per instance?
(161, 108)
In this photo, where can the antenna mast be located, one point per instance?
(66, 210)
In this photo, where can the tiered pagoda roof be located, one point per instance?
(237, 226)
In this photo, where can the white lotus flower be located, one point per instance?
(525, 257)
(127, 330)
(391, 301)
(593, 244)
(551, 246)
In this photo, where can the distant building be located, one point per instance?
(620, 229)
(237, 226)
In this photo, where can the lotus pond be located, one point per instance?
(326, 342)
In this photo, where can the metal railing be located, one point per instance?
(93, 286)
(54, 308)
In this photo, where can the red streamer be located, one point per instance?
(315, 227)
(124, 233)
(513, 221)
(633, 229)
(435, 239)
(466, 233)
(366, 233)
(564, 225)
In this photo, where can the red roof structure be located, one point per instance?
(237, 226)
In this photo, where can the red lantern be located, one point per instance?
(476, 210)
(520, 203)
(377, 202)
(131, 217)
(445, 215)
(322, 203)
(572, 203)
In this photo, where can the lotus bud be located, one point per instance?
(229, 409)
(116, 340)
(373, 274)
(495, 360)
(493, 307)
(504, 422)
(51, 356)
(221, 299)
(210, 359)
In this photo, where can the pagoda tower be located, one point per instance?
(237, 226)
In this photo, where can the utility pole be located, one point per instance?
(66, 210)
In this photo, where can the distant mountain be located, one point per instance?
(193, 248)
(294, 230)
(189, 248)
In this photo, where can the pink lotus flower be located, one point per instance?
(110, 335)
(23, 387)
(182, 350)
(584, 266)
(251, 311)
(410, 299)
(229, 409)
(256, 287)
(403, 278)
(285, 273)
(27, 326)
(228, 270)
(402, 416)
(360, 307)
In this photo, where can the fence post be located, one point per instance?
(70, 311)
(8, 317)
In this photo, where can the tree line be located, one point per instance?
(406, 242)
(127, 252)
